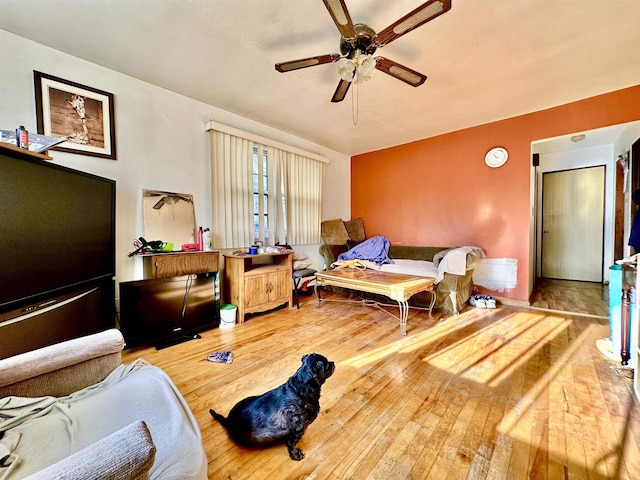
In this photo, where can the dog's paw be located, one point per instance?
(296, 454)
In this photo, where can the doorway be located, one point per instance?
(573, 224)
(608, 146)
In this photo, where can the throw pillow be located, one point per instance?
(355, 229)
(333, 232)
(300, 264)
(299, 256)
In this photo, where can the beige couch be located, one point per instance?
(73, 411)
(452, 290)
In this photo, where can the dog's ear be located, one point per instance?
(318, 367)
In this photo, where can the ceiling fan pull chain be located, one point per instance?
(354, 102)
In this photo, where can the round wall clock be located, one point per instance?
(496, 157)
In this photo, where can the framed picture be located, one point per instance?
(81, 114)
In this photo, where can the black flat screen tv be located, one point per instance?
(163, 311)
(57, 230)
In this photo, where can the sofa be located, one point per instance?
(452, 290)
(72, 410)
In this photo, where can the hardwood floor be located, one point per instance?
(586, 298)
(489, 394)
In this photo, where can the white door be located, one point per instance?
(573, 224)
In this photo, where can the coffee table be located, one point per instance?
(396, 286)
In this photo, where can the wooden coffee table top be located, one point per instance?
(397, 286)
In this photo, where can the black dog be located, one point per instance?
(282, 413)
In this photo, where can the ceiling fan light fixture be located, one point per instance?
(358, 68)
(365, 67)
(346, 69)
(419, 17)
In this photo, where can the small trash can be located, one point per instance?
(228, 315)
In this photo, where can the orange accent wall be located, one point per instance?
(439, 192)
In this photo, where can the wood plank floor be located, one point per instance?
(587, 298)
(488, 394)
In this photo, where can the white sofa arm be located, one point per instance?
(62, 368)
(126, 454)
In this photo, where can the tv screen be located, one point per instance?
(57, 229)
(161, 310)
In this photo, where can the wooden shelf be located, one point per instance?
(24, 152)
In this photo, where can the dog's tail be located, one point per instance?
(218, 417)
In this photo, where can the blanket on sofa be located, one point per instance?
(374, 249)
(37, 432)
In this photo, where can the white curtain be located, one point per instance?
(294, 194)
(232, 191)
(303, 179)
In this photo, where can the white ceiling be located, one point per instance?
(485, 60)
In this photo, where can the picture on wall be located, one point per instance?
(81, 114)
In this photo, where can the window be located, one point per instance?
(260, 193)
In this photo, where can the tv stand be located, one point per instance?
(177, 299)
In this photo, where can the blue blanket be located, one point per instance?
(374, 249)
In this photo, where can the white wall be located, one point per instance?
(160, 138)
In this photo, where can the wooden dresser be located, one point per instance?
(256, 283)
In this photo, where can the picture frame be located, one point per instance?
(82, 114)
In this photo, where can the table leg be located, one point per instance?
(433, 302)
(317, 290)
(404, 313)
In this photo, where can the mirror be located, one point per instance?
(169, 217)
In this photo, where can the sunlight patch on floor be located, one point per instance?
(551, 392)
(412, 341)
(476, 360)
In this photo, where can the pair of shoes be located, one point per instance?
(478, 301)
(482, 301)
(490, 301)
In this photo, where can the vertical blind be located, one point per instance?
(288, 204)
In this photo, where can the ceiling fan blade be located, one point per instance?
(159, 204)
(421, 15)
(306, 62)
(407, 75)
(341, 91)
(341, 17)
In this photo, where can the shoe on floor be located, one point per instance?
(478, 301)
(489, 301)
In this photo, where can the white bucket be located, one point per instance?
(228, 315)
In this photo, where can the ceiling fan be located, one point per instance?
(359, 42)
